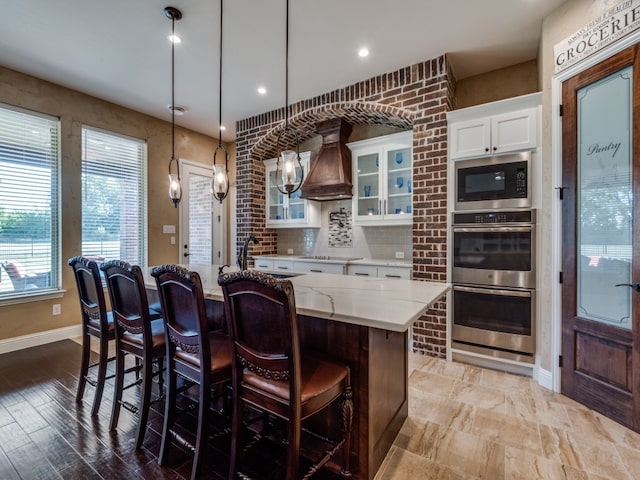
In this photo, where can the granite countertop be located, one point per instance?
(389, 304)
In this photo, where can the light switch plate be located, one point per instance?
(168, 229)
(289, 251)
(400, 255)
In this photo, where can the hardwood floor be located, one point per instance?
(45, 434)
(464, 423)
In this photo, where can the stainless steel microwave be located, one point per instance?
(493, 182)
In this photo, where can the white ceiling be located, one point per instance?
(118, 50)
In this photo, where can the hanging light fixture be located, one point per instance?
(220, 180)
(175, 187)
(288, 164)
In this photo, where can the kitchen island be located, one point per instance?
(364, 323)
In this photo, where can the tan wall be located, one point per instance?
(499, 84)
(75, 109)
(564, 21)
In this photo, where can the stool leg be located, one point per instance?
(84, 366)
(293, 448)
(204, 401)
(169, 411)
(117, 388)
(236, 432)
(147, 377)
(102, 374)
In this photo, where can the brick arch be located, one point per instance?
(356, 113)
(415, 97)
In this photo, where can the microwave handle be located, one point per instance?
(492, 291)
(493, 229)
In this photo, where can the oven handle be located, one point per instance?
(493, 291)
(492, 229)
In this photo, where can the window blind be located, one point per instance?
(114, 197)
(29, 206)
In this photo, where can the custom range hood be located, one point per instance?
(330, 175)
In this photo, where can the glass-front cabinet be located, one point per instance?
(383, 179)
(283, 211)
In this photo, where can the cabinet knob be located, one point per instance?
(495, 148)
(486, 149)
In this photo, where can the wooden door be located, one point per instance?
(601, 232)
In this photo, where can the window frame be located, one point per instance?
(55, 288)
(143, 194)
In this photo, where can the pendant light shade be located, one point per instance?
(289, 171)
(220, 180)
(175, 185)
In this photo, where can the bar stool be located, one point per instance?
(270, 373)
(193, 352)
(97, 322)
(138, 333)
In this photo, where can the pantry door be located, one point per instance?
(601, 232)
(202, 225)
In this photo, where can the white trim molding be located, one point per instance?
(40, 338)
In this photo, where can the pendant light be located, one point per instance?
(220, 180)
(175, 187)
(288, 165)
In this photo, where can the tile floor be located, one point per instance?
(467, 422)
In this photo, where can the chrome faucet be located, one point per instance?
(242, 256)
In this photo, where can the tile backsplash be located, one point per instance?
(367, 242)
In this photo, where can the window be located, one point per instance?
(29, 208)
(114, 197)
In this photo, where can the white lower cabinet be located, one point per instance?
(283, 265)
(380, 271)
(394, 272)
(263, 263)
(319, 267)
(363, 270)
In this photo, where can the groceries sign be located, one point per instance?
(622, 19)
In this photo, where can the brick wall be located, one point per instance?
(415, 97)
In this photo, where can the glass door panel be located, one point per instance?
(605, 200)
(368, 184)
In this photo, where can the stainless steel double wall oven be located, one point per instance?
(494, 261)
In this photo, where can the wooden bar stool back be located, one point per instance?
(97, 322)
(138, 333)
(271, 373)
(193, 352)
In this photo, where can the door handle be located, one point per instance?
(185, 254)
(635, 286)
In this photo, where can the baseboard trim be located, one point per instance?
(40, 338)
(544, 378)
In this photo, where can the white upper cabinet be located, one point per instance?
(283, 211)
(494, 135)
(383, 180)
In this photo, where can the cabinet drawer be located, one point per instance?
(363, 270)
(319, 267)
(285, 265)
(263, 264)
(394, 272)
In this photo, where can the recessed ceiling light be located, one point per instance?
(262, 90)
(363, 52)
(174, 38)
